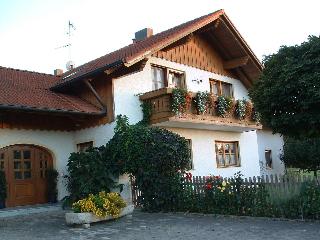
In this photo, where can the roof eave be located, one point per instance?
(88, 74)
(49, 110)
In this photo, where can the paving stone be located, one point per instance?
(160, 226)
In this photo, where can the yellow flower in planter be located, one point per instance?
(101, 204)
(224, 183)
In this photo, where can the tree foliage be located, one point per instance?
(155, 157)
(288, 93)
(89, 173)
(303, 154)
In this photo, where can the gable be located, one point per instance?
(197, 52)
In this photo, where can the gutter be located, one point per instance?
(49, 110)
(86, 75)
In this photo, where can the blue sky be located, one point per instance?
(31, 30)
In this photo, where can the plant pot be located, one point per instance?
(2, 204)
(86, 219)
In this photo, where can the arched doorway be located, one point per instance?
(25, 168)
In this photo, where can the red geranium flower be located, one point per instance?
(189, 176)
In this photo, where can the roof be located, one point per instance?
(30, 91)
(139, 50)
(39, 92)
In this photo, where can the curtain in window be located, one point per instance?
(157, 78)
(175, 80)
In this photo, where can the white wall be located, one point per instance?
(273, 142)
(204, 156)
(100, 135)
(60, 144)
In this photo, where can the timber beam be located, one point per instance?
(236, 62)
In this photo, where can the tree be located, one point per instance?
(156, 157)
(303, 154)
(288, 92)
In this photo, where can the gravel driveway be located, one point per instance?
(142, 225)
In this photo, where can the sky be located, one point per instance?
(31, 31)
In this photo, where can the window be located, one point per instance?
(191, 166)
(268, 158)
(175, 79)
(219, 88)
(164, 77)
(227, 154)
(83, 147)
(158, 77)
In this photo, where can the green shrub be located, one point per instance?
(52, 181)
(89, 173)
(3, 186)
(155, 157)
(236, 197)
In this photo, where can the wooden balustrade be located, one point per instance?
(160, 101)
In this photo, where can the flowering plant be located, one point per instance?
(224, 105)
(202, 102)
(181, 100)
(241, 109)
(101, 204)
(188, 176)
(217, 184)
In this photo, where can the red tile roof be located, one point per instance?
(138, 50)
(30, 91)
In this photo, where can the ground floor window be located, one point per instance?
(227, 154)
(268, 158)
(82, 147)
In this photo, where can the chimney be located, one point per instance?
(58, 72)
(143, 34)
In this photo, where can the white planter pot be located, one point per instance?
(86, 218)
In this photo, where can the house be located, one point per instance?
(43, 117)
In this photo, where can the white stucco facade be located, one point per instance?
(59, 144)
(273, 142)
(126, 89)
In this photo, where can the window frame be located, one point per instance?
(220, 93)
(269, 167)
(237, 154)
(78, 146)
(167, 71)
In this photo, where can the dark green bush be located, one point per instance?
(3, 186)
(52, 181)
(89, 172)
(155, 157)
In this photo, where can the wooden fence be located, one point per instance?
(279, 186)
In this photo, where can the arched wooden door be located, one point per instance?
(25, 167)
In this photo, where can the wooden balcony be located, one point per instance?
(162, 115)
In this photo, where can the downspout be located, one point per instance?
(94, 92)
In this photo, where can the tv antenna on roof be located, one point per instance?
(70, 63)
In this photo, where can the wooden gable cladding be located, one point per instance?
(196, 52)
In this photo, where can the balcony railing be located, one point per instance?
(162, 114)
